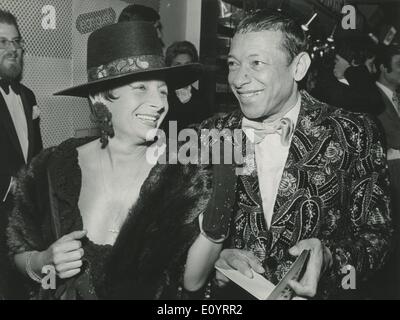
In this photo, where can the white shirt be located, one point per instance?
(271, 158)
(389, 93)
(17, 112)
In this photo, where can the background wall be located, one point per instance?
(55, 59)
(181, 21)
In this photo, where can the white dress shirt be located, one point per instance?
(271, 158)
(17, 112)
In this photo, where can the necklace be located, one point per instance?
(131, 190)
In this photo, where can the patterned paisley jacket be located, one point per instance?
(334, 187)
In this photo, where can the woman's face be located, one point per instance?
(140, 107)
(180, 59)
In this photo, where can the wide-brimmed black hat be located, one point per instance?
(127, 51)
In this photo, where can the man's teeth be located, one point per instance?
(251, 94)
(147, 117)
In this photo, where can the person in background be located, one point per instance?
(137, 12)
(350, 85)
(20, 137)
(186, 104)
(388, 85)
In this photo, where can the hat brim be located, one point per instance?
(176, 77)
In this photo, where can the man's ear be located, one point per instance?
(302, 64)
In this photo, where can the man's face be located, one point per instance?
(181, 59)
(259, 74)
(393, 77)
(10, 57)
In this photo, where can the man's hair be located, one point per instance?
(181, 47)
(353, 49)
(8, 18)
(294, 39)
(136, 12)
(384, 56)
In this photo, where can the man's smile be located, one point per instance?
(248, 94)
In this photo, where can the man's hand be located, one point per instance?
(320, 260)
(237, 259)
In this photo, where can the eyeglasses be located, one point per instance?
(17, 43)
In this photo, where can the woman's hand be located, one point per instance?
(65, 254)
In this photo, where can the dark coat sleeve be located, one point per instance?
(367, 241)
(24, 232)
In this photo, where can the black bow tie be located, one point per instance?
(5, 85)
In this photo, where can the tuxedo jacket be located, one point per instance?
(334, 187)
(12, 158)
(390, 121)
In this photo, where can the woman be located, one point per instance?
(73, 199)
(187, 106)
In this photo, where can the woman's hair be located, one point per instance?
(137, 12)
(181, 47)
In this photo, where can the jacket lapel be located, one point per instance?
(292, 187)
(28, 116)
(389, 110)
(9, 127)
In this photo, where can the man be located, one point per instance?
(388, 83)
(317, 179)
(350, 86)
(326, 190)
(20, 137)
(186, 105)
(137, 12)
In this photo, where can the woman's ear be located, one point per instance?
(302, 64)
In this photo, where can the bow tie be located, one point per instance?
(284, 127)
(5, 85)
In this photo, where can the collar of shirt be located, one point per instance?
(292, 114)
(5, 94)
(344, 81)
(389, 93)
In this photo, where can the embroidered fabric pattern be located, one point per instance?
(126, 65)
(330, 181)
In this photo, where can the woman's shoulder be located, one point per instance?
(73, 144)
(56, 156)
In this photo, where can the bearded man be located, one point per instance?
(20, 138)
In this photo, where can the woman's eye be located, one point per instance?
(164, 92)
(140, 87)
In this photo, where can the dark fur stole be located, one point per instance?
(148, 259)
